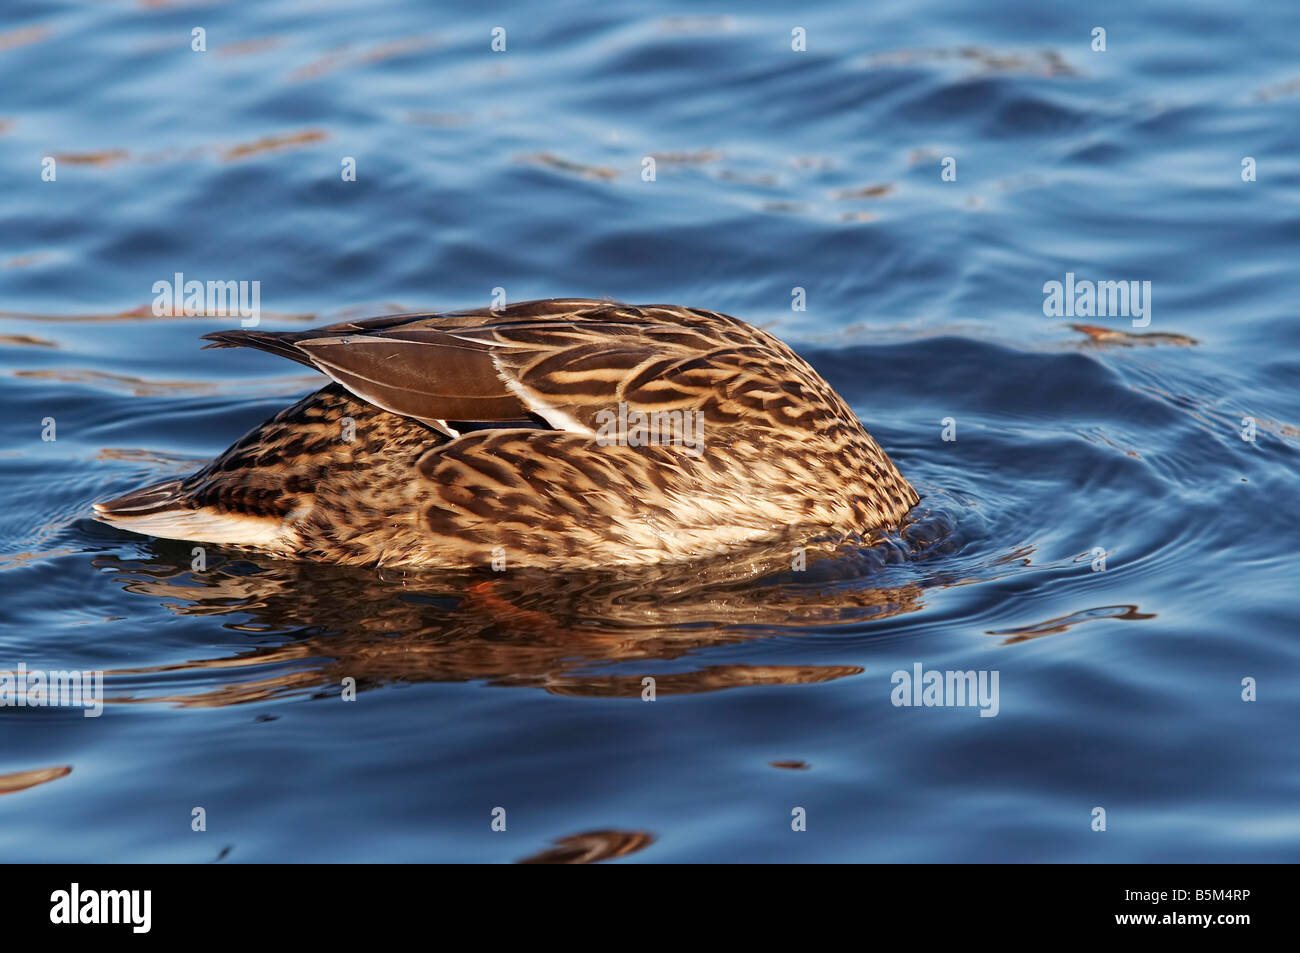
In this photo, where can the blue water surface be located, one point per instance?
(1100, 533)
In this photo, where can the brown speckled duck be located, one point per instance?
(559, 433)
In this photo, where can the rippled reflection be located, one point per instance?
(517, 628)
(592, 846)
(1066, 622)
(22, 780)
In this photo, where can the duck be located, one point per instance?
(560, 433)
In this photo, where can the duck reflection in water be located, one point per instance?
(320, 624)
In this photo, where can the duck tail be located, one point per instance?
(141, 503)
(167, 510)
(280, 344)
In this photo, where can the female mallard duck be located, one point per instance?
(560, 433)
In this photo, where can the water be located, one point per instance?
(522, 170)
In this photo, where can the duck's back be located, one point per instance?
(551, 433)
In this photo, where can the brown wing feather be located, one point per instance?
(655, 358)
(568, 377)
(424, 373)
(562, 360)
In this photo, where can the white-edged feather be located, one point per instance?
(201, 526)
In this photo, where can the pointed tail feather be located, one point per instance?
(281, 345)
(163, 510)
(142, 502)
